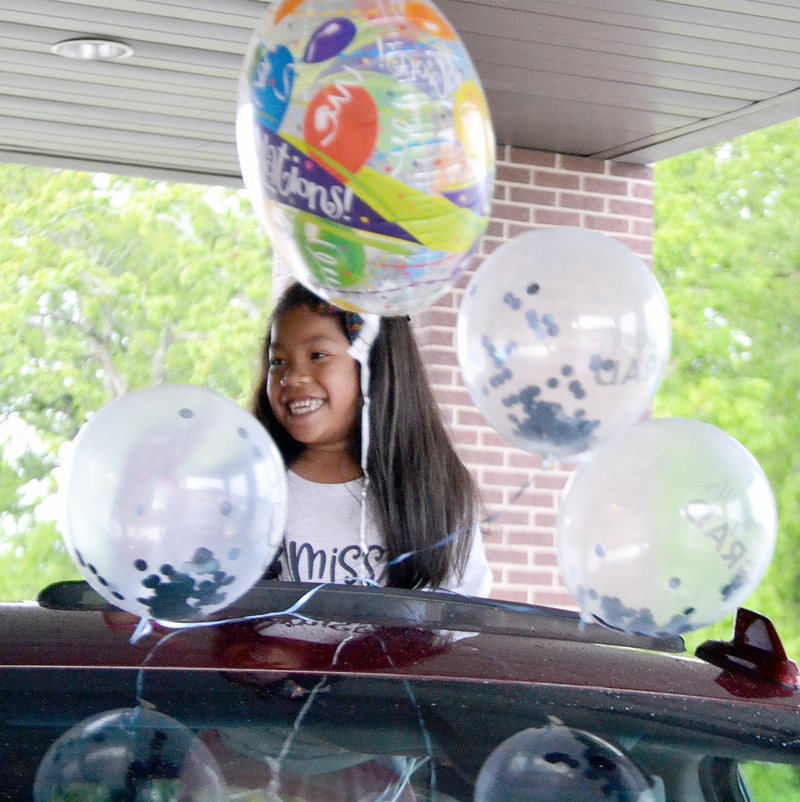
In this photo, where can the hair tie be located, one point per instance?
(353, 322)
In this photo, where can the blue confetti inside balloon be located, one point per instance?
(557, 303)
(668, 528)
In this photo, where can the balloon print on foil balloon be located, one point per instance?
(669, 527)
(175, 502)
(560, 764)
(563, 336)
(129, 754)
(366, 145)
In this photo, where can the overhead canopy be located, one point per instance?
(630, 80)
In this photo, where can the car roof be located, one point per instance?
(433, 634)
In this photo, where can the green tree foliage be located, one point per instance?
(109, 284)
(727, 253)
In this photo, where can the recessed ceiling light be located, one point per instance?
(92, 49)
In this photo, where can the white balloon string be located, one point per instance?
(360, 350)
(145, 627)
(276, 764)
(299, 604)
(426, 738)
(462, 530)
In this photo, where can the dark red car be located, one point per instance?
(382, 694)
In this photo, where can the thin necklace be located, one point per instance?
(346, 483)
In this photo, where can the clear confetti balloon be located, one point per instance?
(365, 142)
(563, 337)
(129, 754)
(560, 764)
(175, 502)
(668, 528)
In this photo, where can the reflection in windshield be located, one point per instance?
(556, 763)
(130, 754)
(266, 763)
(308, 757)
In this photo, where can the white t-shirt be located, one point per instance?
(323, 541)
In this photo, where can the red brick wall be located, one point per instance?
(533, 190)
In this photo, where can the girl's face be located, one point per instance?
(313, 382)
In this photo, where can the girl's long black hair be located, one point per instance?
(419, 489)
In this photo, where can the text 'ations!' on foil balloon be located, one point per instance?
(668, 528)
(563, 337)
(175, 502)
(560, 764)
(129, 753)
(366, 145)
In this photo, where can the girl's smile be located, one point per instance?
(305, 405)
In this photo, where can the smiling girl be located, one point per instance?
(421, 526)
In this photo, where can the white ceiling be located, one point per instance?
(632, 80)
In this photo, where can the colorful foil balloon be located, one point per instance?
(366, 145)
(668, 528)
(563, 337)
(129, 753)
(559, 764)
(175, 502)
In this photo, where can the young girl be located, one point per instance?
(421, 527)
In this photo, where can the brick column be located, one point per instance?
(533, 190)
